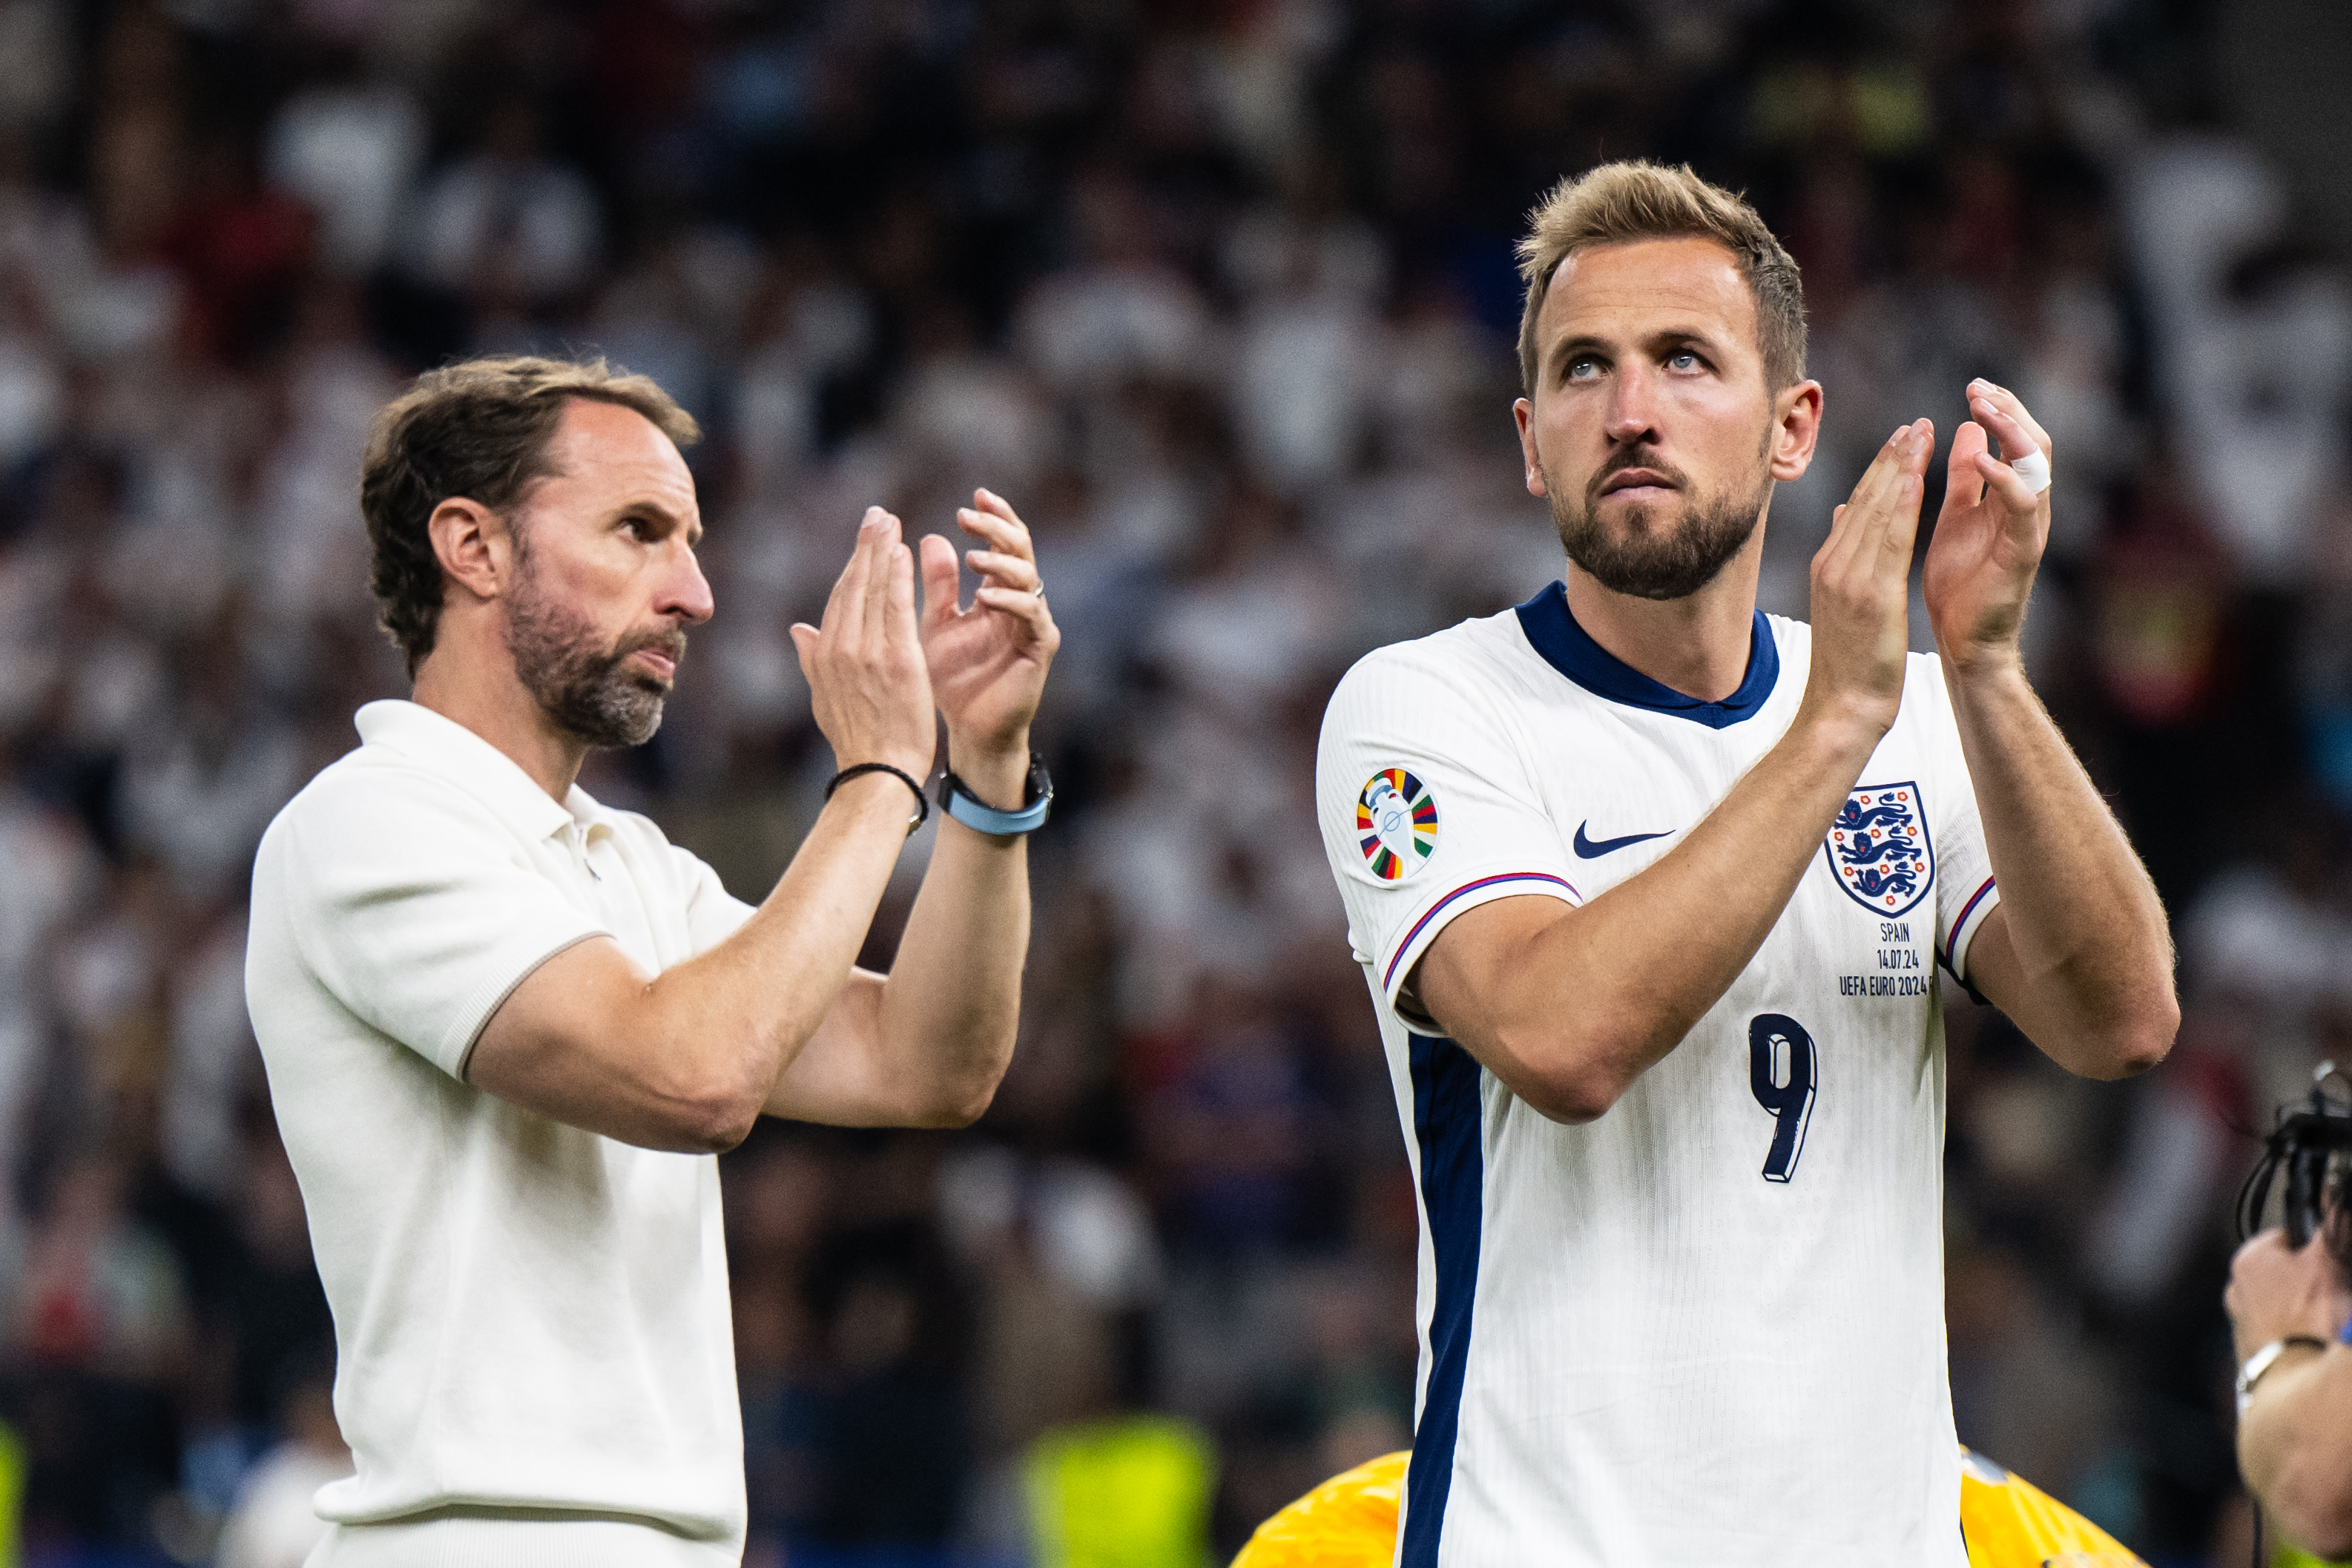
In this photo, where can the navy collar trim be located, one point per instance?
(1569, 649)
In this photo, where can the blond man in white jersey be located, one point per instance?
(507, 1027)
(1653, 891)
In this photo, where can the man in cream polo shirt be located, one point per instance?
(507, 1029)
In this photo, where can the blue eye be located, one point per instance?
(1686, 359)
(1584, 368)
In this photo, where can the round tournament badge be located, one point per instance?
(1396, 823)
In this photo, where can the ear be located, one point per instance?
(1796, 428)
(474, 546)
(1524, 412)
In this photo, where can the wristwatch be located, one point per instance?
(2262, 1360)
(958, 801)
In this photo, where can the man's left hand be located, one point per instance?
(1989, 535)
(2276, 1289)
(988, 662)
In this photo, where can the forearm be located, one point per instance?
(736, 1017)
(2294, 1447)
(951, 1003)
(1585, 1002)
(926, 1044)
(2092, 955)
(761, 995)
(685, 1059)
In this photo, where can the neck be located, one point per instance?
(475, 686)
(1697, 646)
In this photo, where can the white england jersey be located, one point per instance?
(1707, 1328)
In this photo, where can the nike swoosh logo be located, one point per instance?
(1591, 848)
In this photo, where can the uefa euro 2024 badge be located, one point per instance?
(1879, 848)
(1396, 823)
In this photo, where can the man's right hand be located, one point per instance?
(1862, 601)
(868, 685)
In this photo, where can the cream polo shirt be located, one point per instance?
(535, 1360)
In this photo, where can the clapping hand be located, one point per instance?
(1861, 587)
(1991, 534)
(864, 662)
(987, 660)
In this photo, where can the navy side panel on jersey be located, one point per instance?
(1446, 1123)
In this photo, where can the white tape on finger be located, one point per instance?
(2034, 469)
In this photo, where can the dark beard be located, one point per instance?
(1656, 558)
(579, 686)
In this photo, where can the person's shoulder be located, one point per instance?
(375, 812)
(1459, 658)
(364, 784)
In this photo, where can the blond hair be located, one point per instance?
(481, 430)
(1633, 201)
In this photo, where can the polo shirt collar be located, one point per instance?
(435, 741)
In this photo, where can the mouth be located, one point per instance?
(1638, 484)
(659, 660)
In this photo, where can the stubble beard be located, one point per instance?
(580, 685)
(1657, 554)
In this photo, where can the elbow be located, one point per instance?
(1568, 1083)
(1573, 1102)
(959, 1107)
(961, 1090)
(2144, 1050)
(716, 1126)
(713, 1116)
(2138, 1043)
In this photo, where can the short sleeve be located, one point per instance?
(1426, 806)
(1965, 890)
(415, 907)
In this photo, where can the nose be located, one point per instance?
(685, 592)
(1632, 407)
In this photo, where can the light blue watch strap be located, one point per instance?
(959, 803)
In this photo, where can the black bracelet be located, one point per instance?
(922, 801)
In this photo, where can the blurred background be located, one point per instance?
(1219, 293)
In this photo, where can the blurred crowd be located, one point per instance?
(1221, 294)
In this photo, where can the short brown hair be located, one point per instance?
(1630, 201)
(479, 430)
